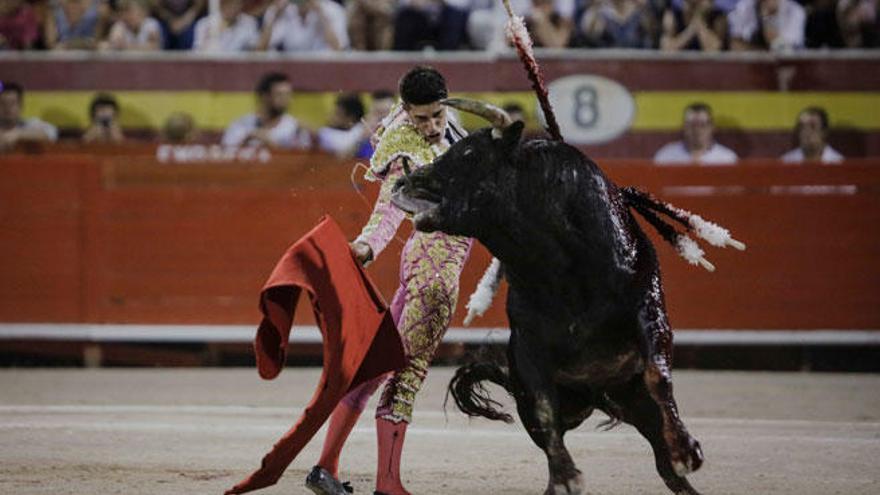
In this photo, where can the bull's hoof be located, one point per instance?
(688, 458)
(680, 486)
(571, 486)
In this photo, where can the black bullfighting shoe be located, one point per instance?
(321, 482)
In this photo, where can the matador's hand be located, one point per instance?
(362, 252)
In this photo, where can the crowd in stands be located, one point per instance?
(350, 127)
(332, 25)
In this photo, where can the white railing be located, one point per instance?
(244, 334)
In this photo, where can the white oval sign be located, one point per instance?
(590, 109)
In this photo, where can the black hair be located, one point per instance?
(103, 99)
(13, 87)
(513, 107)
(381, 94)
(817, 111)
(268, 80)
(699, 106)
(422, 85)
(352, 105)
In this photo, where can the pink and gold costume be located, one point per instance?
(430, 266)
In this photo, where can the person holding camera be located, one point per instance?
(104, 121)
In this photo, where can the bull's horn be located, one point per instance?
(493, 114)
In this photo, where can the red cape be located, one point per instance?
(360, 340)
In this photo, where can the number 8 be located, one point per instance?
(586, 111)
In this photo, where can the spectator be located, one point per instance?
(237, 32)
(618, 24)
(19, 26)
(371, 24)
(271, 125)
(725, 6)
(693, 25)
(14, 129)
(178, 20)
(811, 134)
(345, 130)
(767, 25)
(104, 121)
(72, 24)
(179, 128)
(304, 25)
(859, 23)
(440, 24)
(256, 8)
(135, 30)
(551, 22)
(487, 22)
(821, 30)
(381, 106)
(698, 144)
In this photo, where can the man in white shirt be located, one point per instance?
(235, 32)
(304, 25)
(345, 130)
(271, 125)
(811, 131)
(698, 143)
(776, 25)
(551, 22)
(14, 129)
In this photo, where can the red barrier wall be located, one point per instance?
(124, 239)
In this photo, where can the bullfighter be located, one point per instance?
(416, 132)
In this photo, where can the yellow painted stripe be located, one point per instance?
(656, 110)
(755, 110)
(149, 109)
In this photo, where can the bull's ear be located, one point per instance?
(512, 134)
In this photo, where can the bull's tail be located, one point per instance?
(651, 208)
(471, 397)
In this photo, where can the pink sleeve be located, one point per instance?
(386, 218)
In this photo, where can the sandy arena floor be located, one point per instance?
(162, 432)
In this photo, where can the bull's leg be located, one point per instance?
(656, 341)
(537, 402)
(635, 406)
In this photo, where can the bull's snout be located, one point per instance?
(400, 184)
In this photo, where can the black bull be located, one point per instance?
(585, 302)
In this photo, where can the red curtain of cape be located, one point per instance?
(360, 339)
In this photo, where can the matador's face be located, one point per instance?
(429, 120)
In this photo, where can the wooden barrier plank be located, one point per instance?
(41, 252)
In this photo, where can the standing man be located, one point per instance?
(698, 141)
(271, 125)
(345, 128)
(14, 129)
(811, 133)
(413, 135)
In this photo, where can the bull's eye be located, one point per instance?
(468, 152)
